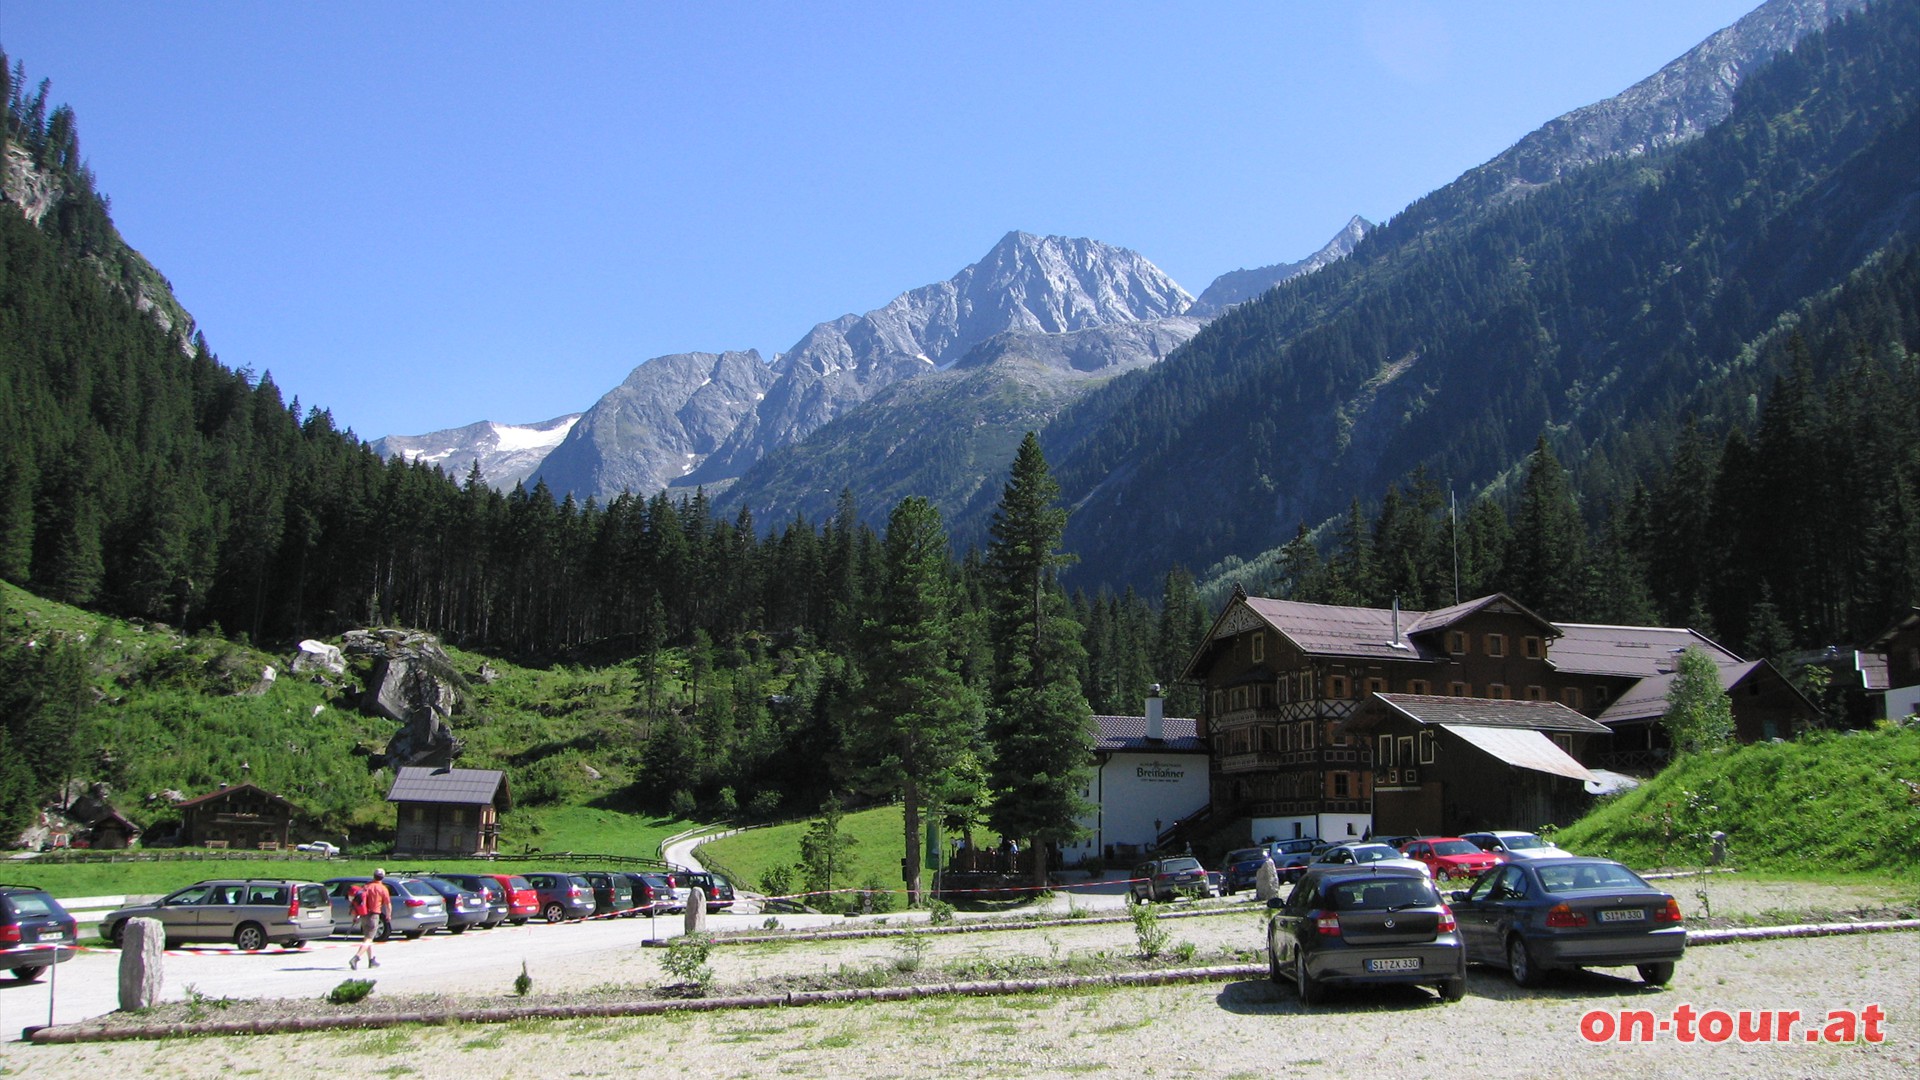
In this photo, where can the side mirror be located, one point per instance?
(1275, 903)
(1459, 896)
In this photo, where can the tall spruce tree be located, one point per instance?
(1039, 723)
(916, 715)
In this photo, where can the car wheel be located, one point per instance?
(456, 929)
(554, 912)
(521, 921)
(1312, 990)
(1453, 990)
(413, 935)
(296, 943)
(386, 929)
(1521, 964)
(250, 937)
(1274, 971)
(116, 934)
(29, 973)
(1656, 974)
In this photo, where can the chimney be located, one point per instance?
(1155, 710)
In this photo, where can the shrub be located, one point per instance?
(1147, 931)
(350, 991)
(523, 982)
(686, 960)
(908, 952)
(939, 912)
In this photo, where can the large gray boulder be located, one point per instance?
(413, 683)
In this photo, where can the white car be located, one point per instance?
(1511, 845)
(320, 847)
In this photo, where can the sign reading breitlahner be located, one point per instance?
(1155, 772)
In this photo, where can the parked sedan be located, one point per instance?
(718, 889)
(523, 901)
(35, 931)
(250, 912)
(1362, 854)
(1536, 915)
(1372, 923)
(1452, 857)
(612, 893)
(499, 908)
(562, 896)
(1514, 845)
(1240, 868)
(1164, 879)
(466, 908)
(652, 893)
(413, 913)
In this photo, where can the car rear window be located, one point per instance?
(519, 883)
(313, 896)
(1174, 866)
(1589, 876)
(1377, 895)
(30, 905)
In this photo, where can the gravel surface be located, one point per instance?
(1190, 1030)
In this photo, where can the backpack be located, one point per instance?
(358, 900)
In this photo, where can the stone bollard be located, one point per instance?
(1719, 848)
(696, 911)
(142, 944)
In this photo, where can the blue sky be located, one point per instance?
(420, 215)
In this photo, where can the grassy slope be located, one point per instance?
(876, 854)
(172, 716)
(1826, 803)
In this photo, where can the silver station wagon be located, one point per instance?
(252, 913)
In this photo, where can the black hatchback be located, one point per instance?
(35, 931)
(1365, 924)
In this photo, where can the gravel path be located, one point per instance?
(1247, 1028)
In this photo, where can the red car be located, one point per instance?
(522, 902)
(1451, 857)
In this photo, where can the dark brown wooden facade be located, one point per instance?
(445, 811)
(1448, 765)
(1280, 677)
(243, 816)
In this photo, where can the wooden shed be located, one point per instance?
(447, 811)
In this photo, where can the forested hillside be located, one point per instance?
(1610, 311)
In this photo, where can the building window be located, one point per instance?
(1266, 739)
(1259, 647)
(1426, 748)
(1342, 786)
(1219, 703)
(1530, 648)
(1405, 750)
(1263, 695)
(1418, 686)
(1570, 697)
(1460, 689)
(1600, 695)
(419, 813)
(1496, 691)
(1565, 743)
(1376, 686)
(1496, 644)
(1336, 686)
(1239, 697)
(1536, 693)
(1386, 752)
(1457, 642)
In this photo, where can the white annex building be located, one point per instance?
(1149, 772)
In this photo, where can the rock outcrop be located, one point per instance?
(412, 682)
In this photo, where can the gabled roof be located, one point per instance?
(229, 792)
(1489, 713)
(461, 787)
(1129, 733)
(1355, 632)
(1634, 652)
(1646, 700)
